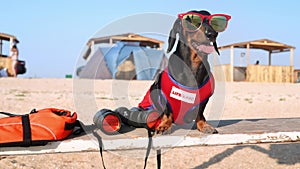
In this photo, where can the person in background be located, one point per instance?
(14, 56)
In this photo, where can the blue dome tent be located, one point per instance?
(124, 60)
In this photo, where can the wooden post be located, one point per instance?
(270, 58)
(11, 41)
(248, 54)
(1, 46)
(231, 63)
(292, 64)
(110, 41)
(215, 59)
(92, 47)
(292, 56)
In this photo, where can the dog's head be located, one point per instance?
(198, 32)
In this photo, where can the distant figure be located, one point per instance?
(14, 57)
(257, 62)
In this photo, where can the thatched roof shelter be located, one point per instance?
(266, 45)
(7, 37)
(128, 37)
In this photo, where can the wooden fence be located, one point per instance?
(278, 74)
(222, 72)
(258, 73)
(297, 76)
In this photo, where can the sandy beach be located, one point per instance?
(237, 100)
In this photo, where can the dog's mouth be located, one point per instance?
(203, 48)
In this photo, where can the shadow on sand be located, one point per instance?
(287, 154)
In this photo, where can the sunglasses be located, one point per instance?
(192, 21)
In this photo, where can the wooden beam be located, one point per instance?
(267, 44)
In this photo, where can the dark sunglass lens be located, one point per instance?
(192, 22)
(218, 23)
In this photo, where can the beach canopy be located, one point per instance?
(124, 60)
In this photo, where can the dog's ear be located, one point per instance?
(177, 28)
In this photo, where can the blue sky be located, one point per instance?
(53, 33)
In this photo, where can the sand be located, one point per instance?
(237, 100)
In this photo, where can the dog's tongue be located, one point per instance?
(204, 48)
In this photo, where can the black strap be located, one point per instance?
(158, 152)
(9, 114)
(150, 133)
(100, 146)
(148, 148)
(158, 158)
(26, 130)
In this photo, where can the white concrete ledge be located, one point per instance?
(166, 141)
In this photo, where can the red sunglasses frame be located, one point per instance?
(228, 17)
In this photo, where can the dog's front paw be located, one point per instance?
(165, 124)
(206, 128)
(163, 128)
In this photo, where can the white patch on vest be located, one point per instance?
(182, 95)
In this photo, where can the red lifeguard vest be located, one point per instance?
(180, 99)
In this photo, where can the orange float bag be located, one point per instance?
(37, 127)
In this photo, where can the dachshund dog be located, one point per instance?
(180, 93)
(187, 80)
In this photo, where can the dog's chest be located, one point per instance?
(182, 99)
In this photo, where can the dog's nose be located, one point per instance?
(210, 33)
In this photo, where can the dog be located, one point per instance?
(187, 79)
